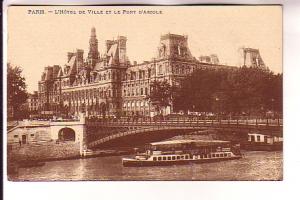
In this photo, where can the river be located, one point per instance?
(255, 165)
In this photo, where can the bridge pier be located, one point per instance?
(78, 127)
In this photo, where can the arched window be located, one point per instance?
(159, 69)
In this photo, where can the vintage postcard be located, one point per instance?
(144, 93)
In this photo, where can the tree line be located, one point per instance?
(16, 92)
(249, 91)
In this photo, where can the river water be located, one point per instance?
(255, 165)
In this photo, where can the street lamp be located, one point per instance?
(273, 100)
(218, 109)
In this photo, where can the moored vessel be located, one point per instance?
(178, 152)
(262, 142)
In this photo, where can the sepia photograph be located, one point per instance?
(144, 93)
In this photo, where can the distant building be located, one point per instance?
(212, 59)
(109, 84)
(32, 102)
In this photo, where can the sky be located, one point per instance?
(39, 40)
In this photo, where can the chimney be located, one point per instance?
(79, 55)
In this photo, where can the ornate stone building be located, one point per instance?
(108, 84)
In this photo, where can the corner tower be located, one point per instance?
(173, 45)
(251, 58)
(93, 55)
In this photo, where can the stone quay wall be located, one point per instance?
(45, 151)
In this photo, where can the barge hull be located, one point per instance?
(145, 163)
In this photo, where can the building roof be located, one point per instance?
(71, 63)
(112, 53)
(200, 142)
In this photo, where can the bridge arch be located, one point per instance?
(66, 134)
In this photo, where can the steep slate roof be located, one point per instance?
(72, 65)
(112, 53)
(60, 73)
(48, 74)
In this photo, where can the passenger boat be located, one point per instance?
(178, 152)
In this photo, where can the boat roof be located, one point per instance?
(201, 142)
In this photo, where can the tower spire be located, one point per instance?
(93, 54)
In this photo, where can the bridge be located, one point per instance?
(102, 133)
(174, 127)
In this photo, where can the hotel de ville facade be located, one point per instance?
(108, 84)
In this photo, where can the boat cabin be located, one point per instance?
(201, 147)
(261, 138)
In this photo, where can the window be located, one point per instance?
(154, 158)
(213, 155)
(186, 156)
(217, 155)
(164, 158)
(258, 138)
(225, 155)
(16, 136)
(221, 155)
(31, 135)
(173, 157)
(182, 157)
(159, 158)
(169, 157)
(142, 91)
(159, 69)
(178, 157)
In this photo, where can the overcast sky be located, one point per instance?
(37, 41)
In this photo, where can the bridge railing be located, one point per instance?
(190, 122)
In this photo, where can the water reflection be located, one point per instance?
(254, 166)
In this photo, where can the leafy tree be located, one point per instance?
(16, 90)
(231, 91)
(160, 94)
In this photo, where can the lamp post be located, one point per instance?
(218, 109)
(273, 111)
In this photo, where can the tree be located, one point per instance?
(16, 90)
(234, 91)
(160, 94)
(199, 90)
